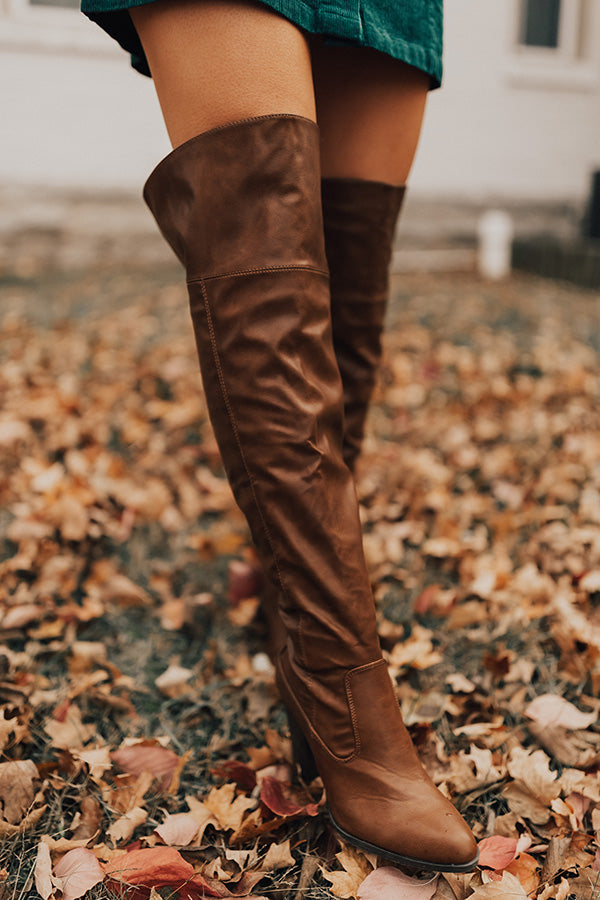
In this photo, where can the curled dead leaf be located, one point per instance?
(44, 883)
(272, 795)
(122, 828)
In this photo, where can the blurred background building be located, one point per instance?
(517, 122)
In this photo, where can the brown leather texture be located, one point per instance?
(241, 207)
(359, 219)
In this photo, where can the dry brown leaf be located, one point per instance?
(228, 809)
(86, 654)
(63, 845)
(278, 857)
(17, 789)
(508, 887)
(474, 769)
(355, 868)
(19, 616)
(525, 867)
(44, 883)
(135, 757)
(179, 829)
(203, 816)
(578, 749)
(78, 871)
(69, 733)
(417, 652)
(552, 711)
(460, 884)
(122, 828)
(174, 681)
(558, 891)
(97, 759)
(388, 883)
(88, 819)
(535, 786)
(15, 727)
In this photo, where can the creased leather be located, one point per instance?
(359, 220)
(241, 207)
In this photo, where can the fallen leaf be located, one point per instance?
(388, 883)
(535, 785)
(18, 616)
(150, 867)
(237, 771)
(228, 809)
(355, 868)
(69, 733)
(525, 867)
(278, 857)
(174, 681)
(89, 819)
(497, 852)
(16, 788)
(78, 870)
(44, 883)
(273, 797)
(179, 828)
(97, 759)
(509, 888)
(553, 711)
(147, 756)
(122, 828)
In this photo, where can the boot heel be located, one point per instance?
(301, 752)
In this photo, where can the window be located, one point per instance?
(539, 23)
(552, 44)
(70, 4)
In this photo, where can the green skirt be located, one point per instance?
(410, 30)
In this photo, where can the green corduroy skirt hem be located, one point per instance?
(408, 30)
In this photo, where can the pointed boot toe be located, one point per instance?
(379, 795)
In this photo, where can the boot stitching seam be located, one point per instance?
(261, 271)
(232, 419)
(302, 715)
(348, 680)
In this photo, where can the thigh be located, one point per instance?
(370, 109)
(217, 61)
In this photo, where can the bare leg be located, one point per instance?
(218, 61)
(370, 108)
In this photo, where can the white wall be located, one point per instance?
(77, 120)
(83, 118)
(501, 127)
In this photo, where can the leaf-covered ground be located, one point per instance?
(144, 751)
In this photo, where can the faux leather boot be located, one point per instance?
(241, 207)
(359, 220)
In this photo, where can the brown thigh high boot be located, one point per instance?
(241, 207)
(359, 219)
